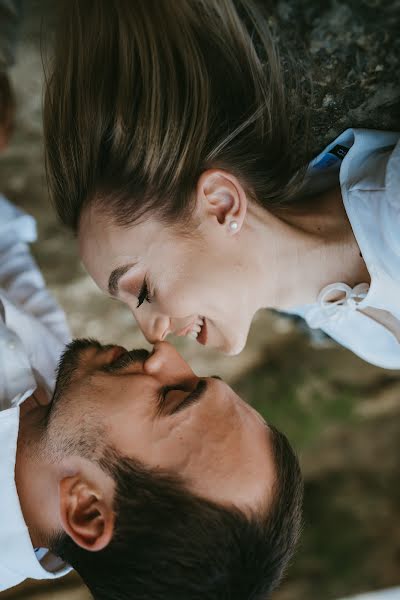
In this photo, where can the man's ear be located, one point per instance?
(86, 513)
(221, 195)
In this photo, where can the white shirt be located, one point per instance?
(389, 594)
(367, 164)
(33, 332)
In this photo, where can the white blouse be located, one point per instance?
(33, 333)
(367, 318)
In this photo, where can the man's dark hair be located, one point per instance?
(170, 544)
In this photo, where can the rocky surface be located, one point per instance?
(350, 50)
(342, 414)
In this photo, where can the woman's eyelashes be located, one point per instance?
(143, 294)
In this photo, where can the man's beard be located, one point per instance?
(70, 362)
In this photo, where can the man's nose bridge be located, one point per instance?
(157, 362)
(168, 365)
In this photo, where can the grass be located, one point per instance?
(351, 541)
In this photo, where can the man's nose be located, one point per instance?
(155, 328)
(167, 364)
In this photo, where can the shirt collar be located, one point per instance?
(17, 556)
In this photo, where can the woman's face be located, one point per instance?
(193, 284)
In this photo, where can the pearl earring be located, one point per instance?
(233, 225)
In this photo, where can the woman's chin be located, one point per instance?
(232, 347)
(227, 344)
(234, 351)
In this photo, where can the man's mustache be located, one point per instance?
(70, 361)
(126, 359)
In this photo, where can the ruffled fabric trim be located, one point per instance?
(327, 311)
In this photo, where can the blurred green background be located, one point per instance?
(342, 415)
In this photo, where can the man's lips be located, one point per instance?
(120, 358)
(117, 352)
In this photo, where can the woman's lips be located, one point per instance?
(193, 329)
(197, 329)
(186, 330)
(202, 337)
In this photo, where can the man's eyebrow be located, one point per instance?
(115, 276)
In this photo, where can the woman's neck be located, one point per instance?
(301, 251)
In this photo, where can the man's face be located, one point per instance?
(154, 409)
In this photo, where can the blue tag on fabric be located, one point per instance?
(339, 151)
(331, 158)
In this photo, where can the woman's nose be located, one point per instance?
(154, 328)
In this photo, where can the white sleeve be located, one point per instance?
(20, 276)
(390, 212)
(393, 176)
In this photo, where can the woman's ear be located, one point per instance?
(220, 195)
(86, 514)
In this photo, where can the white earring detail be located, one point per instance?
(233, 225)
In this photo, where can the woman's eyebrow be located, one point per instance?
(115, 276)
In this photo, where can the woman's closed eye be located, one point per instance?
(143, 294)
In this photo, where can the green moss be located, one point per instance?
(302, 404)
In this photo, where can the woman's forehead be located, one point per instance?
(105, 246)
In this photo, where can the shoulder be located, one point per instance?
(393, 176)
(372, 156)
(370, 184)
(355, 331)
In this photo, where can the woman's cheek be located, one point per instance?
(178, 303)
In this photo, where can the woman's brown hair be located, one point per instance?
(144, 95)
